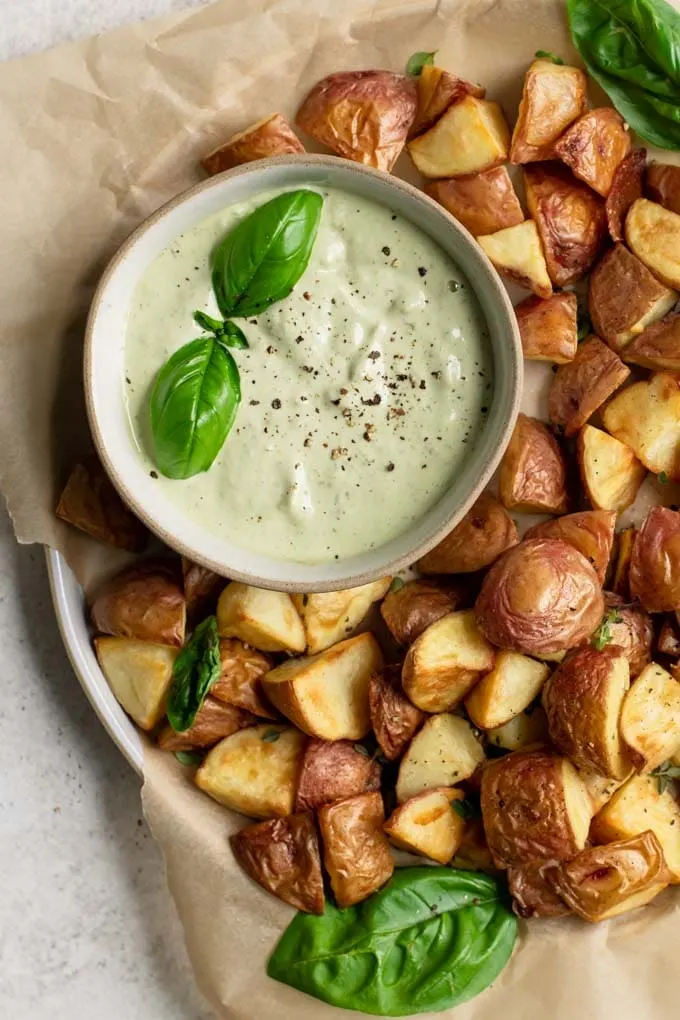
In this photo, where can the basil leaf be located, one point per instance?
(549, 55)
(193, 405)
(189, 757)
(417, 61)
(229, 333)
(431, 939)
(632, 50)
(196, 669)
(207, 322)
(263, 258)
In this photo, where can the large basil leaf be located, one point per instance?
(196, 669)
(193, 406)
(263, 258)
(433, 938)
(632, 49)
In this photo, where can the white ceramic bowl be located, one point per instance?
(104, 372)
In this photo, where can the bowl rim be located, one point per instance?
(487, 466)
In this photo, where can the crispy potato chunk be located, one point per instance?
(90, 503)
(517, 254)
(663, 185)
(334, 770)
(476, 542)
(444, 752)
(600, 788)
(631, 629)
(427, 825)
(570, 218)
(594, 146)
(657, 347)
(272, 136)
(483, 203)
(624, 297)
(201, 588)
(581, 387)
(668, 642)
(394, 719)
(611, 474)
(654, 576)
(282, 855)
(254, 771)
(532, 894)
(437, 90)
(554, 95)
(524, 731)
(144, 601)
(469, 137)
(139, 674)
(541, 597)
(410, 610)
(653, 234)
(268, 620)
(646, 417)
(356, 853)
(626, 188)
(445, 662)
(326, 695)
(214, 721)
(533, 475)
(331, 616)
(620, 581)
(240, 682)
(591, 532)
(650, 718)
(548, 327)
(506, 691)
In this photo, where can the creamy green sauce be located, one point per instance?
(362, 393)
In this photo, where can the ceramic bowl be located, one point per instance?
(104, 373)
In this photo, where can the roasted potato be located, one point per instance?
(240, 681)
(470, 136)
(535, 808)
(254, 771)
(548, 327)
(611, 474)
(506, 691)
(650, 718)
(654, 576)
(594, 146)
(570, 218)
(541, 597)
(443, 753)
(361, 115)
(214, 721)
(517, 254)
(355, 851)
(445, 662)
(410, 610)
(630, 629)
(271, 136)
(624, 297)
(662, 184)
(334, 770)
(144, 601)
(476, 542)
(591, 532)
(600, 788)
(657, 347)
(331, 616)
(394, 719)
(532, 894)
(139, 673)
(483, 203)
(620, 580)
(437, 90)
(525, 730)
(581, 387)
(582, 700)
(282, 855)
(428, 825)
(533, 475)
(90, 503)
(646, 417)
(554, 95)
(668, 642)
(653, 234)
(626, 188)
(326, 695)
(268, 620)
(201, 588)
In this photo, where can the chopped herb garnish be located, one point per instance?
(663, 477)
(189, 757)
(271, 736)
(665, 774)
(415, 64)
(603, 634)
(547, 55)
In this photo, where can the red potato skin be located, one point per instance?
(333, 770)
(579, 388)
(485, 532)
(591, 532)
(594, 146)
(145, 601)
(282, 855)
(658, 346)
(620, 292)
(239, 683)
(214, 721)
(533, 473)
(532, 895)
(634, 633)
(410, 610)
(201, 587)
(271, 137)
(356, 852)
(548, 327)
(626, 188)
(437, 90)
(90, 503)
(394, 718)
(663, 185)
(483, 202)
(654, 576)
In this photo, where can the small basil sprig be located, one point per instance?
(549, 55)
(417, 61)
(196, 669)
(603, 635)
(228, 332)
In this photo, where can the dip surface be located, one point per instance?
(363, 392)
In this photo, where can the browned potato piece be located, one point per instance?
(469, 137)
(657, 347)
(427, 825)
(331, 616)
(484, 533)
(90, 503)
(600, 788)
(570, 218)
(356, 853)
(653, 234)
(620, 581)
(268, 620)
(444, 752)
(410, 610)
(145, 601)
(445, 662)
(533, 475)
(626, 188)
(517, 254)
(650, 718)
(591, 532)
(532, 894)
(581, 387)
(282, 855)
(484, 202)
(506, 691)
(334, 770)
(582, 700)
(663, 185)
(594, 146)
(624, 297)
(610, 472)
(362, 115)
(646, 417)
(271, 136)
(668, 642)
(553, 96)
(437, 90)
(631, 629)
(214, 720)
(535, 808)
(541, 597)
(394, 719)
(523, 732)
(655, 562)
(201, 585)
(240, 682)
(548, 327)
(139, 674)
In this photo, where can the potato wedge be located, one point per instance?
(282, 855)
(600, 788)
(611, 474)
(594, 146)
(554, 95)
(437, 90)
(591, 532)
(90, 503)
(145, 601)
(201, 588)
(524, 731)
(394, 719)
(476, 542)
(653, 234)
(506, 691)
(657, 347)
(646, 417)
(355, 851)
(570, 218)
(668, 642)
(532, 894)
(624, 297)
(240, 682)
(410, 610)
(650, 718)
(548, 327)
(630, 628)
(620, 580)
(469, 137)
(214, 721)
(445, 662)
(427, 825)
(444, 752)
(581, 387)
(533, 474)
(662, 184)
(254, 771)
(329, 617)
(326, 695)
(483, 202)
(626, 188)
(139, 673)
(268, 620)
(334, 770)
(517, 254)
(654, 576)
(271, 136)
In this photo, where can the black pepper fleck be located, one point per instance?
(422, 271)
(386, 250)
(153, 474)
(390, 466)
(276, 404)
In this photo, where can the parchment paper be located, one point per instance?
(95, 136)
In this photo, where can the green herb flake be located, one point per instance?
(603, 635)
(663, 477)
(271, 736)
(189, 757)
(360, 749)
(417, 61)
(665, 774)
(397, 584)
(548, 55)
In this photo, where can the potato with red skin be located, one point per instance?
(475, 543)
(626, 188)
(646, 417)
(581, 387)
(428, 825)
(668, 642)
(394, 719)
(653, 234)
(532, 894)
(214, 720)
(594, 146)
(554, 95)
(624, 297)
(145, 601)
(662, 184)
(410, 610)
(650, 718)
(655, 562)
(611, 474)
(591, 532)
(548, 327)
(437, 90)
(533, 474)
(445, 662)
(201, 588)
(657, 347)
(271, 136)
(282, 855)
(240, 680)
(541, 597)
(356, 852)
(631, 629)
(470, 136)
(90, 503)
(517, 253)
(334, 770)
(483, 202)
